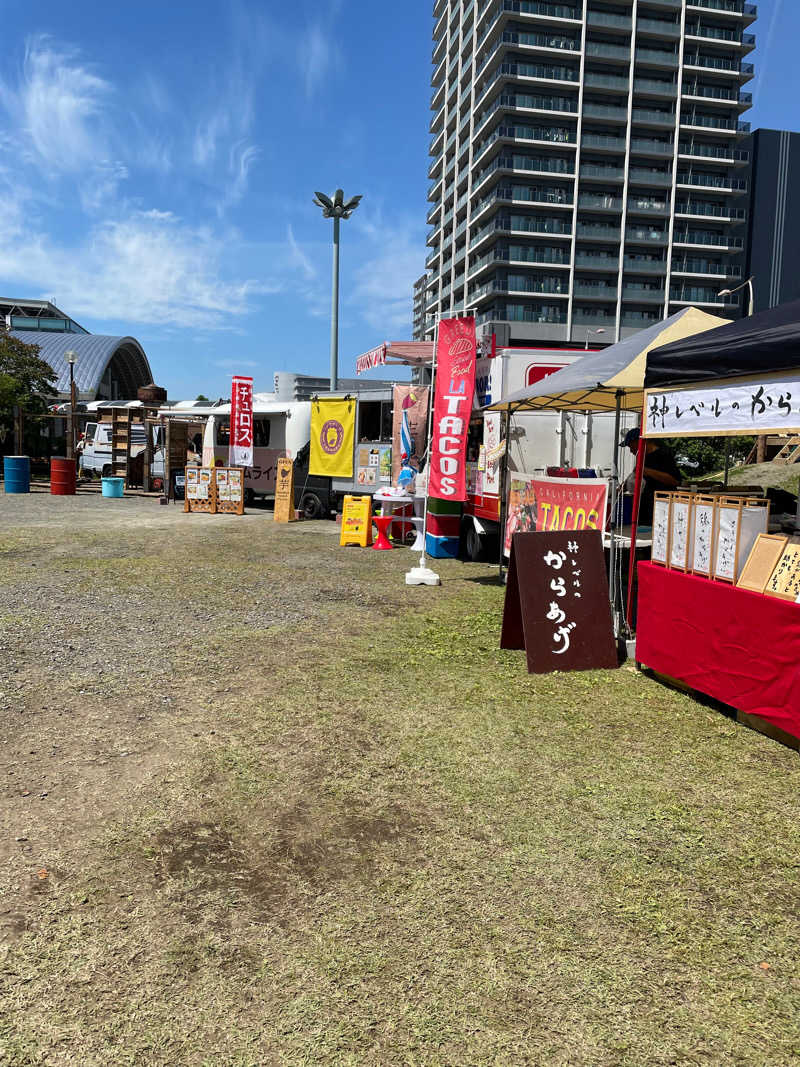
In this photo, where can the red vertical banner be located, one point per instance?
(452, 404)
(240, 449)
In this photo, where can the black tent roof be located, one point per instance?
(761, 344)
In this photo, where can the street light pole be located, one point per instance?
(749, 285)
(600, 329)
(761, 440)
(335, 208)
(71, 357)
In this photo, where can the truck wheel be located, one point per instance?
(474, 545)
(311, 506)
(106, 472)
(249, 498)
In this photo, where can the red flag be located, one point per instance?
(452, 406)
(240, 449)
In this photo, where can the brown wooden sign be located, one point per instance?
(284, 491)
(557, 605)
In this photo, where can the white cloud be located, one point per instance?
(236, 364)
(61, 106)
(318, 56)
(297, 256)
(147, 268)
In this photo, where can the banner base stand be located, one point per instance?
(422, 575)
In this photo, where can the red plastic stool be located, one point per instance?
(383, 522)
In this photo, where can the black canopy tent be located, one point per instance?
(761, 344)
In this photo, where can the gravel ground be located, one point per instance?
(119, 621)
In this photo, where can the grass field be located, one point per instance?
(266, 805)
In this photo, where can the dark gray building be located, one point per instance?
(774, 217)
(587, 175)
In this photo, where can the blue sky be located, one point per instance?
(158, 161)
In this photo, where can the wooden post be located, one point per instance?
(761, 449)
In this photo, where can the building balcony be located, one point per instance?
(603, 142)
(698, 239)
(642, 294)
(606, 262)
(718, 183)
(638, 320)
(618, 83)
(594, 172)
(646, 176)
(541, 9)
(735, 8)
(609, 21)
(648, 117)
(647, 206)
(645, 235)
(655, 87)
(606, 112)
(657, 58)
(601, 50)
(651, 147)
(598, 202)
(644, 265)
(607, 293)
(704, 268)
(657, 27)
(588, 231)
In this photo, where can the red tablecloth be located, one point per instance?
(738, 647)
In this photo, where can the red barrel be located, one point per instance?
(62, 476)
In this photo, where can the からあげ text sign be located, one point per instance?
(753, 407)
(556, 605)
(240, 450)
(452, 405)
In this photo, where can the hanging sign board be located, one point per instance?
(376, 357)
(539, 504)
(452, 406)
(356, 521)
(284, 491)
(556, 605)
(747, 407)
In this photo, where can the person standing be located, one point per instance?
(659, 474)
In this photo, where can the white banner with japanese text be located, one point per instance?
(240, 450)
(752, 407)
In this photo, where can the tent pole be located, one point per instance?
(637, 491)
(727, 461)
(612, 556)
(503, 502)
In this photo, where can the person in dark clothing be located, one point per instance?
(660, 473)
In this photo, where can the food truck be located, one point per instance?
(536, 442)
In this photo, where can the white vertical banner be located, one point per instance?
(240, 449)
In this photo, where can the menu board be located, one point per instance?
(785, 579)
(661, 511)
(199, 493)
(762, 561)
(703, 535)
(682, 541)
(729, 517)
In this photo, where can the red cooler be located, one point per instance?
(62, 476)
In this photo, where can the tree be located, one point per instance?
(201, 399)
(25, 379)
(699, 456)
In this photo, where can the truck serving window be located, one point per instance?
(261, 428)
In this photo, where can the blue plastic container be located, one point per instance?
(113, 486)
(17, 474)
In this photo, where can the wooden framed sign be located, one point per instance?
(704, 534)
(660, 550)
(726, 549)
(284, 492)
(199, 493)
(681, 542)
(762, 561)
(556, 604)
(785, 579)
(229, 485)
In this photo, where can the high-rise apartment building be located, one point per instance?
(587, 178)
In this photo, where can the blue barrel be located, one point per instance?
(113, 486)
(17, 474)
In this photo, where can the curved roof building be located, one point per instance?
(106, 368)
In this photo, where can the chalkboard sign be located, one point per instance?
(704, 534)
(659, 553)
(556, 604)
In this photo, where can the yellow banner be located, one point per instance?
(332, 433)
